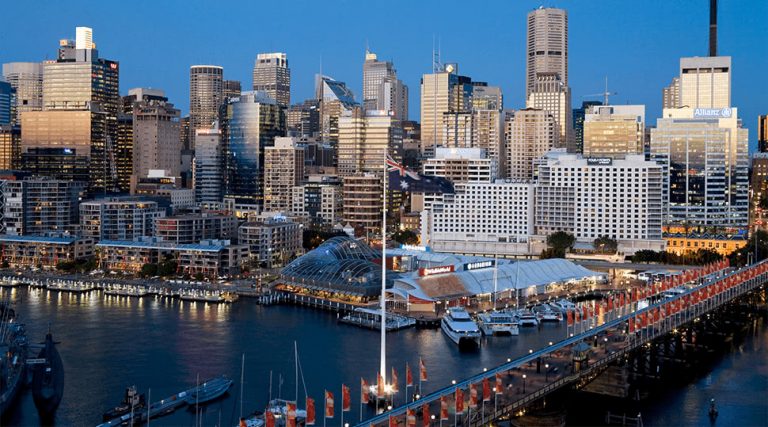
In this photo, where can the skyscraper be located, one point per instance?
(547, 45)
(762, 133)
(27, 79)
(206, 94)
(614, 131)
(529, 135)
(393, 98)
(253, 123)
(374, 73)
(443, 91)
(10, 147)
(670, 95)
(365, 139)
(578, 125)
(209, 170)
(156, 142)
(272, 75)
(283, 170)
(335, 99)
(7, 103)
(232, 89)
(705, 82)
(550, 93)
(486, 97)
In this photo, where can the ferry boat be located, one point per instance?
(545, 313)
(202, 296)
(368, 318)
(127, 291)
(460, 328)
(526, 318)
(498, 323)
(563, 305)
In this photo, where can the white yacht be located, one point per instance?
(527, 318)
(498, 323)
(545, 313)
(563, 305)
(460, 328)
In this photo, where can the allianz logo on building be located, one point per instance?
(712, 113)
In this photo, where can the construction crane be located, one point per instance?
(605, 94)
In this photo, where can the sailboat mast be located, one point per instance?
(296, 360)
(382, 298)
(495, 279)
(242, 370)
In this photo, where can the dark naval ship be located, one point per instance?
(47, 378)
(13, 354)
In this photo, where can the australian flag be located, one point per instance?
(404, 180)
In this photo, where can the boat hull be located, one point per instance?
(463, 341)
(48, 379)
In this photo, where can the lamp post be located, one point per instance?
(524, 383)
(546, 372)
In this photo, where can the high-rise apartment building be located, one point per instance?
(118, 219)
(362, 195)
(374, 73)
(670, 95)
(546, 46)
(39, 205)
(529, 135)
(7, 103)
(253, 123)
(614, 131)
(457, 130)
(206, 95)
(209, 168)
(365, 141)
(488, 134)
(272, 75)
(462, 165)
(318, 200)
(156, 141)
(705, 82)
(283, 170)
(550, 93)
(706, 162)
(443, 91)
(393, 98)
(26, 78)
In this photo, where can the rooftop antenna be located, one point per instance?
(712, 27)
(606, 94)
(437, 66)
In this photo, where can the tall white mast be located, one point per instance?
(382, 299)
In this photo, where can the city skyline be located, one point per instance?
(498, 61)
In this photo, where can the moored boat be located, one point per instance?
(545, 313)
(498, 323)
(460, 328)
(368, 318)
(48, 378)
(13, 352)
(526, 318)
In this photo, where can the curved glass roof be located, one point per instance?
(340, 264)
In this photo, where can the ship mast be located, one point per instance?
(382, 298)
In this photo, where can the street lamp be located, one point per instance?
(524, 383)
(530, 362)
(546, 372)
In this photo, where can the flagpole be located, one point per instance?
(383, 302)
(362, 390)
(325, 408)
(342, 405)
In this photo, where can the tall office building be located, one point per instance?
(529, 135)
(670, 95)
(206, 95)
(706, 162)
(578, 125)
(254, 121)
(231, 89)
(272, 75)
(614, 131)
(393, 98)
(362, 196)
(457, 130)
(486, 97)
(550, 93)
(547, 46)
(27, 79)
(365, 140)
(443, 91)
(74, 136)
(462, 165)
(156, 141)
(374, 73)
(209, 168)
(488, 134)
(762, 133)
(10, 147)
(283, 170)
(303, 120)
(336, 99)
(7, 103)
(705, 82)
(124, 146)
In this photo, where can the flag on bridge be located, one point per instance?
(408, 376)
(422, 371)
(363, 391)
(401, 179)
(443, 408)
(499, 385)
(425, 417)
(486, 390)
(310, 419)
(346, 399)
(459, 401)
(473, 396)
(328, 404)
(410, 418)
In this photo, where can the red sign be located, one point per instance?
(423, 272)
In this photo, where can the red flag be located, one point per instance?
(459, 401)
(380, 386)
(621, 299)
(472, 396)
(422, 371)
(290, 409)
(363, 391)
(392, 421)
(346, 399)
(394, 379)
(631, 325)
(310, 420)
(486, 390)
(569, 317)
(410, 418)
(425, 416)
(328, 404)
(577, 315)
(443, 407)
(609, 303)
(583, 312)
(270, 419)
(499, 385)
(408, 376)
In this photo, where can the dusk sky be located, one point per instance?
(637, 44)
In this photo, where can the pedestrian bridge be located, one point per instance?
(598, 335)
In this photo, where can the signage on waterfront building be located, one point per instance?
(478, 265)
(599, 161)
(712, 113)
(415, 248)
(423, 272)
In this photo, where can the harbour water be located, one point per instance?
(165, 345)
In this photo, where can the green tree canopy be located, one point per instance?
(561, 241)
(606, 245)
